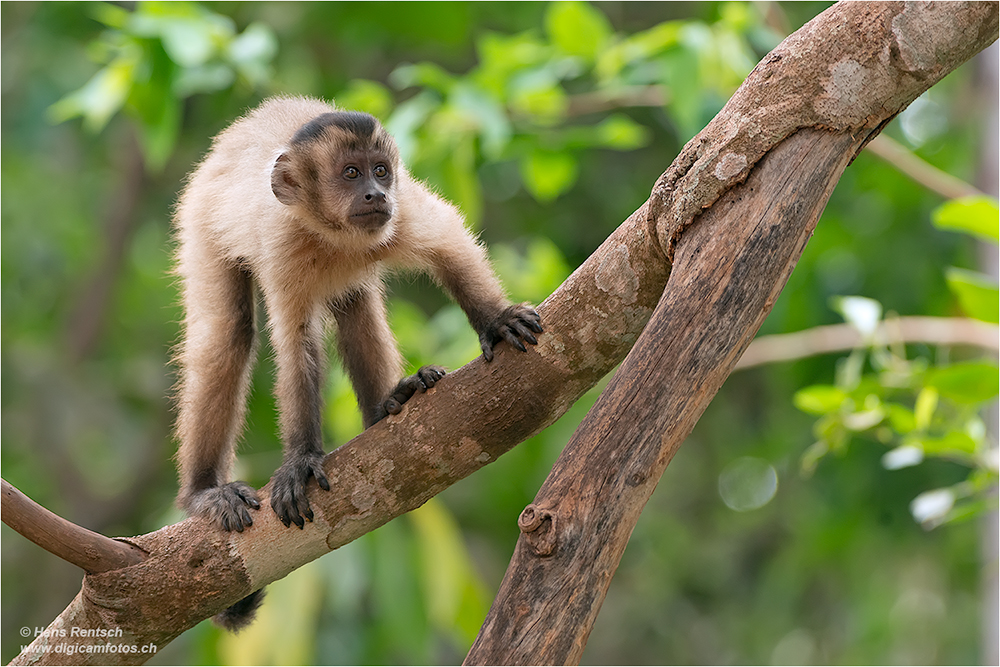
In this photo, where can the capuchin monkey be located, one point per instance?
(310, 204)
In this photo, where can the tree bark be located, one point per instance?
(847, 72)
(766, 166)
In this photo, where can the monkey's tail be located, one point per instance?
(241, 614)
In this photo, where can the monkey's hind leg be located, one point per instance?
(215, 361)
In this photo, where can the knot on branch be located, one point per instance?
(539, 528)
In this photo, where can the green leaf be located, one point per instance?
(101, 97)
(548, 174)
(450, 584)
(927, 401)
(819, 399)
(368, 96)
(864, 420)
(976, 215)
(953, 443)
(537, 94)
(977, 294)
(969, 383)
(622, 133)
(424, 75)
(577, 29)
(252, 52)
(901, 418)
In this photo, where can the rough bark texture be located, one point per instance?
(472, 417)
(766, 166)
(84, 548)
(849, 71)
(574, 533)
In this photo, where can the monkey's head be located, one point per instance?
(340, 171)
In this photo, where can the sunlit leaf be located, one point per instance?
(577, 29)
(620, 132)
(978, 215)
(819, 399)
(368, 96)
(284, 632)
(548, 174)
(978, 295)
(101, 97)
(449, 580)
(954, 443)
(926, 404)
(862, 421)
(537, 94)
(968, 382)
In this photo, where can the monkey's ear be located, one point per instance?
(283, 183)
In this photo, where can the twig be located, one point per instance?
(839, 337)
(920, 171)
(84, 548)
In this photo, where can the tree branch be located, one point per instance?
(729, 270)
(194, 571)
(764, 168)
(84, 548)
(924, 173)
(839, 337)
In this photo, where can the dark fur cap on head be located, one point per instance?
(359, 131)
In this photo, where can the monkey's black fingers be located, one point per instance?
(225, 506)
(486, 345)
(511, 337)
(248, 496)
(392, 406)
(288, 487)
(523, 332)
(429, 376)
(317, 471)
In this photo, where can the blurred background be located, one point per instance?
(837, 508)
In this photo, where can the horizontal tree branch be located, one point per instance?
(840, 337)
(75, 544)
(482, 410)
(468, 420)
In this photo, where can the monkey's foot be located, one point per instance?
(225, 506)
(288, 487)
(515, 324)
(421, 381)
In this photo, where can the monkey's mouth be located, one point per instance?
(372, 218)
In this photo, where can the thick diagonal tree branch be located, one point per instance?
(846, 73)
(765, 166)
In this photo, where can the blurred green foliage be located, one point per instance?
(547, 124)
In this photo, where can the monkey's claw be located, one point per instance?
(226, 505)
(288, 487)
(516, 324)
(421, 381)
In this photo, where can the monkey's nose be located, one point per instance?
(375, 196)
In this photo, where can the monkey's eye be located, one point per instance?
(352, 172)
(380, 171)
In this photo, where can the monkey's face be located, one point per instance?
(340, 183)
(367, 183)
